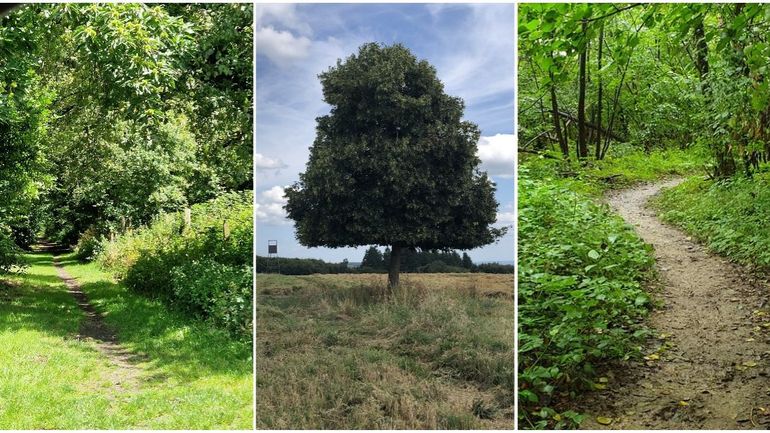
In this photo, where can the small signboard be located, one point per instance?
(272, 247)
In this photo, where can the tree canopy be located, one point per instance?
(112, 113)
(393, 163)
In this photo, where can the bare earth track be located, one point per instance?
(127, 373)
(709, 366)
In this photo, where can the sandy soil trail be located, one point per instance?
(709, 367)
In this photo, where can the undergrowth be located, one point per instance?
(580, 291)
(730, 216)
(203, 267)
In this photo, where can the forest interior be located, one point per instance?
(644, 201)
(126, 224)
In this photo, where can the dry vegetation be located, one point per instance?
(338, 351)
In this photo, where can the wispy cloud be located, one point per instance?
(262, 162)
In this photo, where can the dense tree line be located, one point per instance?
(654, 75)
(375, 261)
(113, 113)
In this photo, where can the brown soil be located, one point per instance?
(94, 329)
(712, 339)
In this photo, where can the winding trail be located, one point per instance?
(712, 331)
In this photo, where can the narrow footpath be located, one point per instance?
(708, 366)
(126, 374)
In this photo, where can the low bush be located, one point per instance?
(204, 267)
(89, 245)
(218, 291)
(10, 254)
(437, 266)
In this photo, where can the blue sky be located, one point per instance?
(471, 46)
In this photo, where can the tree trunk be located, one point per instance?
(556, 123)
(598, 152)
(582, 148)
(395, 266)
(701, 57)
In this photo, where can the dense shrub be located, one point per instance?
(197, 267)
(10, 253)
(215, 290)
(495, 268)
(579, 287)
(89, 245)
(438, 266)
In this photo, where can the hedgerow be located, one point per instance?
(204, 267)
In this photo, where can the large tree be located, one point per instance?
(393, 163)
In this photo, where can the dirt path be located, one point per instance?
(127, 373)
(714, 356)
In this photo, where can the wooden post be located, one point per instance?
(225, 230)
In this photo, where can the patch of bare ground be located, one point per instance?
(708, 366)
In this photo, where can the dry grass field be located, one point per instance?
(340, 352)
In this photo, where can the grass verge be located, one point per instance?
(191, 376)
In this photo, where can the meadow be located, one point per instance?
(341, 351)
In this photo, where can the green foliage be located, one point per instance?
(671, 75)
(89, 245)
(580, 296)
(729, 216)
(115, 113)
(217, 291)
(293, 266)
(373, 259)
(393, 164)
(158, 260)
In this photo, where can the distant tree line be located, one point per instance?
(374, 261)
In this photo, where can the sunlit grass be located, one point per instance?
(191, 375)
(338, 351)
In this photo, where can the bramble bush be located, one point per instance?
(195, 268)
(580, 296)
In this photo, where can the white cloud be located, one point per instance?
(506, 218)
(281, 47)
(497, 154)
(262, 162)
(283, 14)
(269, 209)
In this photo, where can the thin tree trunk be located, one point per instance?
(598, 152)
(582, 148)
(395, 266)
(556, 124)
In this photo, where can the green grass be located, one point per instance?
(622, 167)
(731, 217)
(333, 354)
(190, 376)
